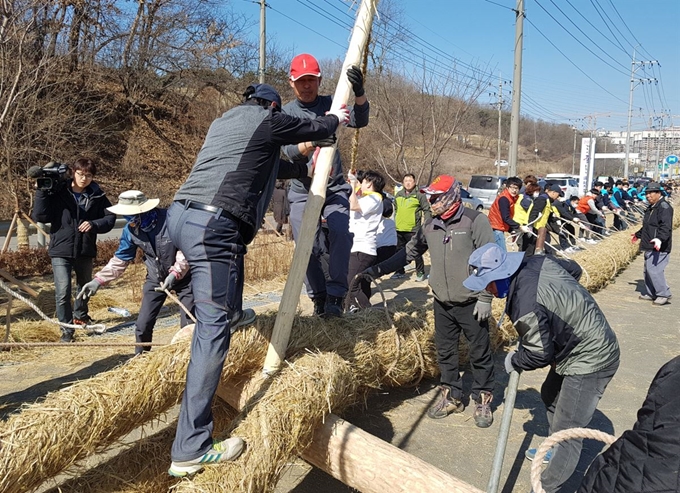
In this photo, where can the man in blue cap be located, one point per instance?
(561, 326)
(215, 214)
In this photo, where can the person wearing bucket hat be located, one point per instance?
(656, 238)
(77, 213)
(327, 289)
(215, 214)
(165, 265)
(450, 236)
(560, 326)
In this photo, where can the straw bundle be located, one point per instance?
(278, 423)
(142, 468)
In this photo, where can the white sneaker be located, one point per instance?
(591, 241)
(222, 451)
(569, 250)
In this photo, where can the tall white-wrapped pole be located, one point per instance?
(316, 199)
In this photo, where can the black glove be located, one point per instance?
(356, 78)
(327, 142)
(372, 272)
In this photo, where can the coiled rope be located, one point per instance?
(554, 439)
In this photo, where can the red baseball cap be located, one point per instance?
(302, 65)
(441, 184)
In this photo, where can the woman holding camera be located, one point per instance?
(76, 211)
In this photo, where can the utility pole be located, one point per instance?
(500, 110)
(516, 89)
(633, 68)
(263, 39)
(573, 154)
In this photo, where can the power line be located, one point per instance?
(595, 5)
(616, 44)
(581, 43)
(574, 64)
(305, 26)
(631, 32)
(500, 5)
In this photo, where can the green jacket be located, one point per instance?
(410, 210)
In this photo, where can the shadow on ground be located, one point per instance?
(9, 403)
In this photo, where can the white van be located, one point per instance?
(567, 183)
(485, 188)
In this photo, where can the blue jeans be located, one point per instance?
(570, 402)
(336, 212)
(500, 239)
(214, 248)
(62, 269)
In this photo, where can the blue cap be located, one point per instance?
(265, 91)
(490, 263)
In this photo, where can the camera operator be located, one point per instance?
(76, 210)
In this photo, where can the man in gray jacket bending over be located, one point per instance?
(452, 234)
(561, 326)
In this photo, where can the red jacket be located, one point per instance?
(495, 217)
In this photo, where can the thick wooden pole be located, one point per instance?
(10, 231)
(315, 201)
(361, 460)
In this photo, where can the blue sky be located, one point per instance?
(481, 33)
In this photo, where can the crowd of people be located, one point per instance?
(197, 246)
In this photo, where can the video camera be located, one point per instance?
(50, 177)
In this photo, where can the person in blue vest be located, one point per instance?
(617, 199)
(165, 265)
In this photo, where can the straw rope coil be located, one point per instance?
(556, 438)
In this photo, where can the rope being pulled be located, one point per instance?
(554, 439)
(97, 328)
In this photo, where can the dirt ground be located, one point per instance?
(648, 336)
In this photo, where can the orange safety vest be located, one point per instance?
(495, 217)
(583, 204)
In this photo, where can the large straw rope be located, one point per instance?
(556, 438)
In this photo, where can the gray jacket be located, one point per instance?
(450, 243)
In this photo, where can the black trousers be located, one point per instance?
(403, 237)
(449, 321)
(359, 293)
(152, 302)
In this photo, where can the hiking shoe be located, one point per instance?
(86, 320)
(482, 415)
(67, 335)
(222, 451)
(398, 275)
(420, 277)
(319, 305)
(246, 317)
(531, 454)
(645, 297)
(333, 307)
(444, 404)
(660, 301)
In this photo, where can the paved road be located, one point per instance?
(648, 336)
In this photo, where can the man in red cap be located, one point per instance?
(326, 289)
(451, 235)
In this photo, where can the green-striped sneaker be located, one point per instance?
(222, 451)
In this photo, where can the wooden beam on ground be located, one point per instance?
(362, 461)
(22, 285)
(316, 199)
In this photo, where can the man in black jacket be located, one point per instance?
(656, 237)
(215, 214)
(645, 459)
(560, 326)
(76, 211)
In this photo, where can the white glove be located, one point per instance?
(577, 220)
(508, 362)
(167, 283)
(482, 311)
(342, 113)
(559, 222)
(351, 177)
(525, 228)
(657, 244)
(90, 288)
